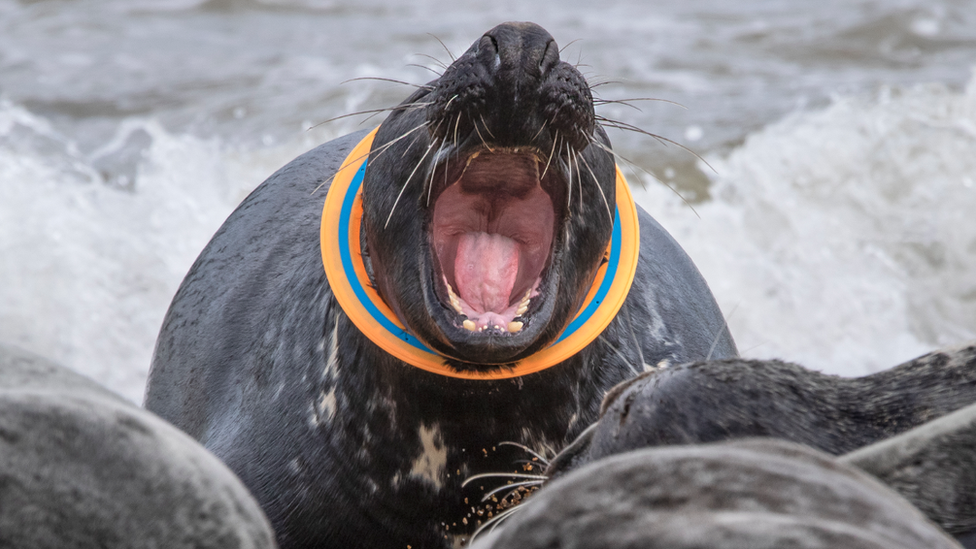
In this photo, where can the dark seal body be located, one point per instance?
(343, 444)
(913, 426)
(728, 399)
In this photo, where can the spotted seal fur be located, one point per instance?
(499, 163)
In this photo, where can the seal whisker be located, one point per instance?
(407, 182)
(381, 79)
(569, 181)
(449, 101)
(633, 334)
(527, 449)
(661, 139)
(551, 154)
(445, 173)
(579, 176)
(562, 49)
(633, 165)
(495, 521)
(542, 128)
(631, 128)
(502, 475)
(430, 184)
(595, 180)
(448, 50)
(573, 156)
(512, 486)
(532, 463)
(627, 101)
(434, 59)
(483, 142)
(604, 83)
(406, 107)
(379, 152)
(425, 67)
(633, 368)
(457, 122)
(718, 333)
(487, 129)
(615, 102)
(410, 146)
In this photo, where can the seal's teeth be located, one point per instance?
(521, 310)
(455, 300)
(469, 325)
(514, 327)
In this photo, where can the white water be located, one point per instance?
(843, 238)
(836, 232)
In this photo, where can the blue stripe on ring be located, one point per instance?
(344, 216)
(346, 254)
(604, 285)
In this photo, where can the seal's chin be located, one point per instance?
(491, 230)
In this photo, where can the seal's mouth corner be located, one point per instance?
(493, 216)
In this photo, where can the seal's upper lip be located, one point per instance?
(492, 226)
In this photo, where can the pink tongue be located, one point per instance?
(485, 270)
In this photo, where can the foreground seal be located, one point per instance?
(751, 494)
(81, 467)
(354, 402)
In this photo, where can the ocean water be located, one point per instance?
(830, 211)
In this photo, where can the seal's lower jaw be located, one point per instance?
(492, 235)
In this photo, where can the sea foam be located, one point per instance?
(845, 238)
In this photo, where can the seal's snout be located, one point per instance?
(519, 47)
(507, 89)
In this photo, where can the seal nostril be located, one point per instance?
(488, 43)
(492, 40)
(550, 57)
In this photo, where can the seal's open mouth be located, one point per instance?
(492, 235)
(496, 260)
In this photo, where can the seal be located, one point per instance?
(474, 275)
(83, 467)
(912, 426)
(755, 493)
(728, 399)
